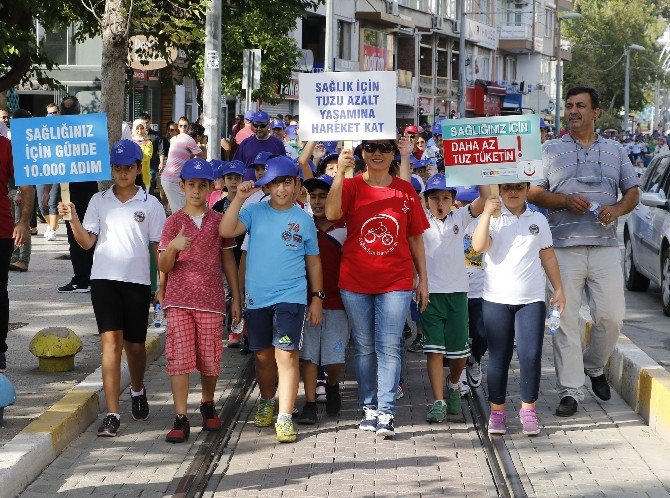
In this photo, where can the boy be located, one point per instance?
(445, 321)
(283, 249)
(326, 343)
(420, 168)
(193, 255)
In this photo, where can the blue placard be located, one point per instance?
(60, 149)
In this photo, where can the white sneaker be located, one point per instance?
(474, 373)
(47, 232)
(463, 384)
(50, 236)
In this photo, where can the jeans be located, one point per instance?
(502, 323)
(175, 195)
(476, 328)
(51, 207)
(20, 253)
(377, 322)
(6, 247)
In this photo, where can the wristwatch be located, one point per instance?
(320, 294)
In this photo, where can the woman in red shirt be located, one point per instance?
(385, 220)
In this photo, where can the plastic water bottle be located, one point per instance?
(594, 207)
(553, 320)
(239, 328)
(159, 315)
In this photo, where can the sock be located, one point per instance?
(440, 401)
(452, 386)
(118, 417)
(137, 393)
(282, 416)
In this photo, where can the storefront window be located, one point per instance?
(378, 50)
(58, 45)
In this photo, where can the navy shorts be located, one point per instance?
(279, 325)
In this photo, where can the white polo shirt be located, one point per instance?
(445, 260)
(514, 273)
(124, 231)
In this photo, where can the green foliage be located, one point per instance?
(598, 41)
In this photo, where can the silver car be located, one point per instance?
(647, 233)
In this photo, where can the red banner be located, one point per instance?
(476, 151)
(377, 59)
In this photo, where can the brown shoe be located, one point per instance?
(18, 266)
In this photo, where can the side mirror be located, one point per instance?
(654, 199)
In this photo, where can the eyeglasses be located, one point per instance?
(420, 141)
(512, 187)
(259, 125)
(384, 148)
(173, 130)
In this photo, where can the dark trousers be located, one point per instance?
(502, 323)
(6, 248)
(82, 260)
(476, 328)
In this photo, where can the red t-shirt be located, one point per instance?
(6, 174)
(376, 256)
(330, 251)
(196, 281)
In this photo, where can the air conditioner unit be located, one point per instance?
(456, 27)
(436, 22)
(521, 3)
(392, 7)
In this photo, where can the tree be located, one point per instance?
(599, 39)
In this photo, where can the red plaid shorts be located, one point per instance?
(193, 341)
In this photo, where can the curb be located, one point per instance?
(40, 442)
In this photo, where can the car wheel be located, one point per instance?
(635, 281)
(665, 282)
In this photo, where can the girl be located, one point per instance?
(141, 138)
(518, 245)
(122, 223)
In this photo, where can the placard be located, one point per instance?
(347, 106)
(59, 149)
(501, 149)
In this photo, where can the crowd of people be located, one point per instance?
(291, 249)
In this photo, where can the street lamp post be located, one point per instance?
(557, 109)
(626, 91)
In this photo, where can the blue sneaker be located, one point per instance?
(3, 362)
(385, 425)
(369, 420)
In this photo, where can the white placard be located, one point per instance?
(348, 105)
(212, 59)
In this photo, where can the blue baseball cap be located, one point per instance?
(324, 181)
(125, 152)
(249, 115)
(197, 168)
(277, 167)
(249, 174)
(261, 158)
(543, 125)
(324, 160)
(421, 163)
(438, 182)
(467, 194)
(277, 123)
(292, 132)
(216, 166)
(232, 168)
(417, 183)
(260, 117)
(437, 128)
(330, 146)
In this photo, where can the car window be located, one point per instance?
(665, 183)
(653, 183)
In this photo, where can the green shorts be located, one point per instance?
(445, 325)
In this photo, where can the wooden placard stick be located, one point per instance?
(495, 190)
(65, 199)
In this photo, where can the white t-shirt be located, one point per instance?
(443, 242)
(474, 263)
(514, 273)
(124, 231)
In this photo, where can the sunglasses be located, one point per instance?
(259, 125)
(183, 126)
(411, 135)
(511, 187)
(384, 148)
(173, 130)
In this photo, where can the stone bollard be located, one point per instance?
(7, 394)
(55, 347)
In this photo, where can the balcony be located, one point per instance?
(442, 86)
(406, 94)
(425, 85)
(516, 39)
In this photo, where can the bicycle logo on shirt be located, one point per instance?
(379, 235)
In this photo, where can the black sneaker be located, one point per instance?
(109, 427)
(210, 419)
(180, 430)
(140, 406)
(308, 415)
(385, 425)
(417, 345)
(333, 399)
(3, 362)
(73, 288)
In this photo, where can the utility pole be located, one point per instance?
(461, 63)
(328, 62)
(212, 88)
(626, 88)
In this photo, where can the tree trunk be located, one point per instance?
(113, 74)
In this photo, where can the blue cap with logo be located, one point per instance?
(417, 183)
(467, 194)
(260, 117)
(421, 163)
(330, 146)
(125, 152)
(232, 168)
(292, 132)
(249, 115)
(327, 158)
(261, 158)
(277, 123)
(197, 168)
(323, 181)
(438, 182)
(437, 128)
(216, 167)
(277, 167)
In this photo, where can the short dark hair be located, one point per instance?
(195, 130)
(169, 123)
(593, 93)
(183, 118)
(21, 113)
(282, 179)
(144, 115)
(70, 105)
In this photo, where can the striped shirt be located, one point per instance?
(182, 148)
(598, 173)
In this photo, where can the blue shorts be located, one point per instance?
(326, 343)
(279, 325)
